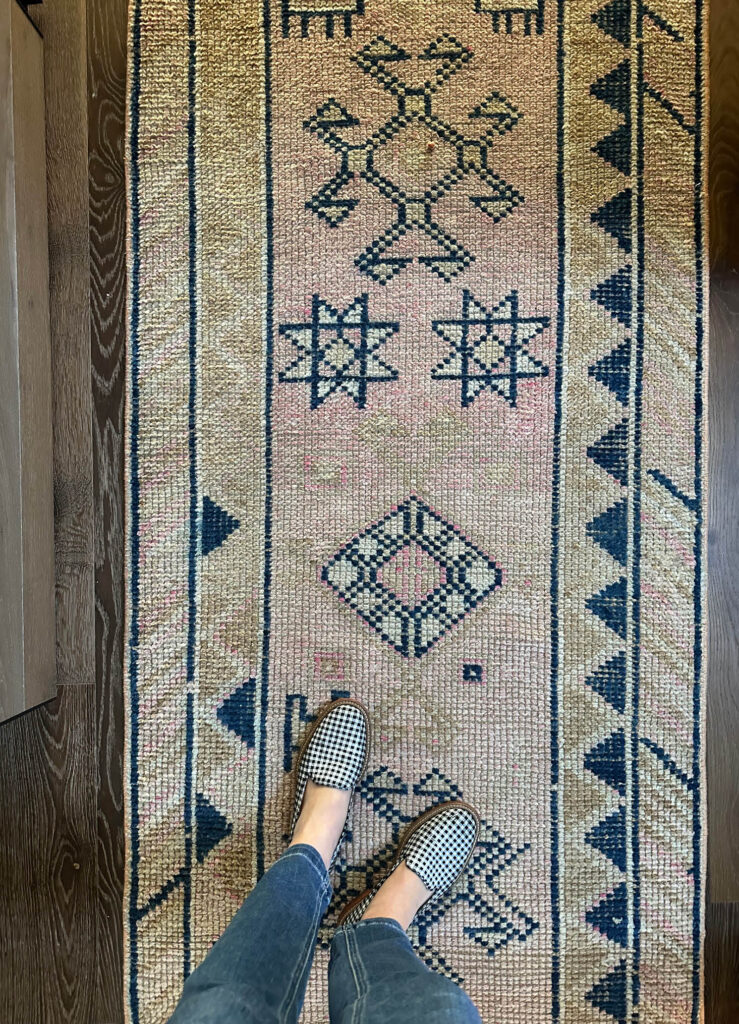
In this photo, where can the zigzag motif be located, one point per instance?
(609, 837)
(613, 370)
(614, 217)
(614, 295)
(609, 528)
(609, 995)
(607, 761)
(615, 90)
(610, 915)
(609, 681)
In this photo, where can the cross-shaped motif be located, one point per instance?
(337, 351)
(413, 204)
(489, 348)
(497, 920)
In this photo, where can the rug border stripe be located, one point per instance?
(268, 386)
(700, 151)
(133, 417)
(194, 525)
(635, 489)
(556, 474)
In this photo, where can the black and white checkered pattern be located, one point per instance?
(437, 849)
(334, 753)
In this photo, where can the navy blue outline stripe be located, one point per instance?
(698, 544)
(133, 356)
(667, 762)
(554, 585)
(194, 539)
(672, 488)
(636, 512)
(268, 385)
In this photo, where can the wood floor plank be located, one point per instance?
(723, 591)
(48, 863)
(724, 145)
(722, 698)
(63, 25)
(106, 63)
(722, 963)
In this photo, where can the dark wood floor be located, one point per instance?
(61, 815)
(722, 911)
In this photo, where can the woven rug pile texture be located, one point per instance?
(417, 330)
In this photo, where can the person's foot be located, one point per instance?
(430, 858)
(322, 818)
(400, 897)
(331, 762)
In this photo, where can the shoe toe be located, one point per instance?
(438, 850)
(337, 750)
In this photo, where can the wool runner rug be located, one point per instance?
(416, 375)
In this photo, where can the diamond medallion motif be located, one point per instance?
(412, 576)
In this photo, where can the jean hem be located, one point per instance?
(382, 922)
(311, 854)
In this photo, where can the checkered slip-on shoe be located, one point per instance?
(334, 753)
(437, 847)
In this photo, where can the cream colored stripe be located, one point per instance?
(162, 341)
(230, 183)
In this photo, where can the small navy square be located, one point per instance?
(472, 672)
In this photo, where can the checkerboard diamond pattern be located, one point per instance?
(466, 577)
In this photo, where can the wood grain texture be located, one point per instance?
(106, 73)
(27, 652)
(724, 145)
(722, 963)
(722, 912)
(34, 363)
(60, 785)
(63, 24)
(723, 591)
(48, 776)
(48, 867)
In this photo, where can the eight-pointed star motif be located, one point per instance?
(337, 351)
(489, 348)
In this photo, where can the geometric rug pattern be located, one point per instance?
(416, 389)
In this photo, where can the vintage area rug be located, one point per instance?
(416, 375)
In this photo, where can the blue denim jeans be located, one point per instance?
(256, 973)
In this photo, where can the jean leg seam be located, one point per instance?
(308, 951)
(356, 968)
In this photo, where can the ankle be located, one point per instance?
(321, 819)
(399, 897)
